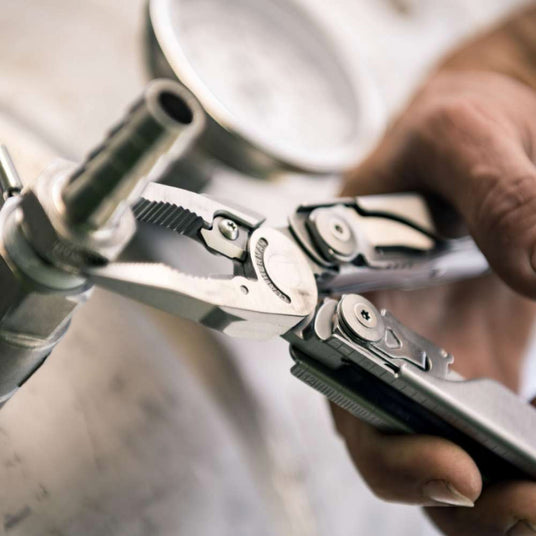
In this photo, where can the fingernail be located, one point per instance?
(444, 492)
(522, 528)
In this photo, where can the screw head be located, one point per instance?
(333, 233)
(360, 319)
(229, 229)
(339, 229)
(365, 315)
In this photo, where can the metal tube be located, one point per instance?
(10, 182)
(165, 118)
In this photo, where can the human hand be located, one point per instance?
(469, 138)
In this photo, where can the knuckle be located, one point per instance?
(507, 212)
(451, 112)
(454, 115)
(450, 131)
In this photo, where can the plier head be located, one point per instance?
(273, 287)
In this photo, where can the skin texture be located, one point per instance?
(468, 141)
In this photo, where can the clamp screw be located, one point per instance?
(229, 229)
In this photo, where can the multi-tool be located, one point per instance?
(66, 233)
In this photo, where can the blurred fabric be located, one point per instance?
(143, 424)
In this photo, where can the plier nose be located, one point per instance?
(272, 289)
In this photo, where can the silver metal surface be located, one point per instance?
(198, 217)
(361, 318)
(81, 215)
(227, 238)
(410, 207)
(228, 228)
(271, 273)
(36, 303)
(10, 183)
(162, 123)
(298, 109)
(27, 260)
(116, 435)
(274, 292)
(366, 315)
(70, 219)
(280, 292)
(202, 206)
(452, 260)
(485, 411)
(393, 244)
(401, 344)
(333, 233)
(50, 232)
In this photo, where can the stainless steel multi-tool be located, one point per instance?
(299, 282)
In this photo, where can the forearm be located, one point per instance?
(509, 49)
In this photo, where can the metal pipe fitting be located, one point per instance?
(10, 183)
(164, 119)
(77, 216)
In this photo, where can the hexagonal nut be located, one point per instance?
(46, 238)
(52, 235)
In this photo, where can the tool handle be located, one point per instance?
(378, 242)
(370, 364)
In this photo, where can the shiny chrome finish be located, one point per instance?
(158, 196)
(361, 358)
(79, 215)
(10, 183)
(333, 233)
(360, 318)
(273, 288)
(402, 383)
(227, 238)
(297, 110)
(198, 217)
(73, 217)
(166, 119)
(229, 229)
(36, 303)
(258, 307)
(273, 277)
(387, 241)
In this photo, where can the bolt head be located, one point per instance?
(365, 315)
(229, 229)
(360, 319)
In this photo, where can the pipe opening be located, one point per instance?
(175, 107)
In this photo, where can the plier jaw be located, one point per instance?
(272, 290)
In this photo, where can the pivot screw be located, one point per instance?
(229, 229)
(339, 229)
(365, 315)
(360, 319)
